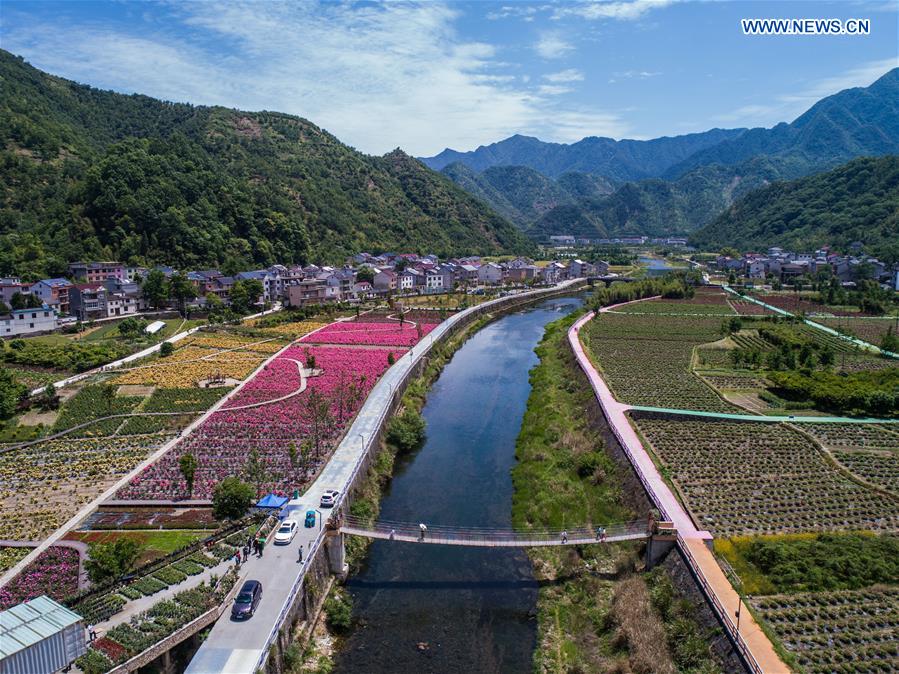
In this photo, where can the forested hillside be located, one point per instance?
(96, 174)
(855, 202)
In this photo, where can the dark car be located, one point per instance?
(247, 600)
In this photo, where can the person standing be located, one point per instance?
(564, 537)
(422, 529)
(300, 557)
(261, 542)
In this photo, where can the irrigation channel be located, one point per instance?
(434, 608)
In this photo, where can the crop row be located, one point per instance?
(867, 436)
(54, 573)
(846, 631)
(746, 478)
(871, 330)
(878, 468)
(43, 485)
(646, 360)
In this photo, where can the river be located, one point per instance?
(442, 609)
(655, 266)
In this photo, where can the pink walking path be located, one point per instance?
(755, 645)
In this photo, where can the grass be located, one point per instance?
(154, 543)
(594, 612)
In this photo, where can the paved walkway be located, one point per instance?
(716, 586)
(241, 647)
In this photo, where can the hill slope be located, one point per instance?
(855, 202)
(863, 121)
(96, 174)
(618, 160)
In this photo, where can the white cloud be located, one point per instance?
(569, 75)
(377, 76)
(634, 74)
(787, 107)
(553, 89)
(622, 10)
(552, 45)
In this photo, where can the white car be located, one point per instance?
(286, 532)
(329, 498)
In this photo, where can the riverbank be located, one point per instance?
(597, 611)
(326, 639)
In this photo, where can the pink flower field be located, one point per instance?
(54, 573)
(380, 334)
(224, 443)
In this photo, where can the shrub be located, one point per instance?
(231, 499)
(167, 349)
(339, 611)
(407, 431)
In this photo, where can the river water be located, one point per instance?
(443, 609)
(655, 266)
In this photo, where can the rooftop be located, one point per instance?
(24, 625)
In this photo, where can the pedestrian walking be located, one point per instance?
(237, 559)
(255, 547)
(91, 632)
(422, 529)
(300, 556)
(250, 542)
(602, 532)
(246, 552)
(392, 534)
(564, 537)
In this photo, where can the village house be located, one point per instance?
(97, 272)
(490, 273)
(28, 321)
(54, 292)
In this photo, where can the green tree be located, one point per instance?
(155, 288)
(365, 274)
(406, 431)
(245, 293)
(181, 290)
(188, 465)
(107, 561)
(232, 498)
(890, 341)
(11, 392)
(132, 327)
(4, 307)
(166, 349)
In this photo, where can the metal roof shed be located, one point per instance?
(40, 637)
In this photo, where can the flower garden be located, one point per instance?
(274, 436)
(371, 334)
(850, 631)
(54, 573)
(203, 356)
(757, 478)
(43, 485)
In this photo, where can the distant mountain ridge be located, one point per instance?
(617, 160)
(690, 193)
(91, 174)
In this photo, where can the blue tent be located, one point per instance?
(272, 501)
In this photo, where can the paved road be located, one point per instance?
(692, 540)
(238, 648)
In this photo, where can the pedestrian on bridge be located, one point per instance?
(422, 530)
(300, 557)
(564, 537)
(392, 534)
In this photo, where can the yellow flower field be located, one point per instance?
(293, 330)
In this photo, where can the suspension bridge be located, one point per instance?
(486, 537)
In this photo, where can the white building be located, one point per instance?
(28, 321)
(490, 273)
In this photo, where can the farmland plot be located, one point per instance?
(43, 485)
(748, 478)
(646, 360)
(869, 451)
(846, 631)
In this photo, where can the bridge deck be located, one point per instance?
(492, 538)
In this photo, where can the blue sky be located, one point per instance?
(424, 76)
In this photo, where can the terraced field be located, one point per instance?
(871, 330)
(748, 478)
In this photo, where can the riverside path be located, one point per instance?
(242, 647)
(755, 646)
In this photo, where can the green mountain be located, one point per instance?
(684, 195)
(863, 121)
(855, 202)
(96, 174)
(618, 160)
